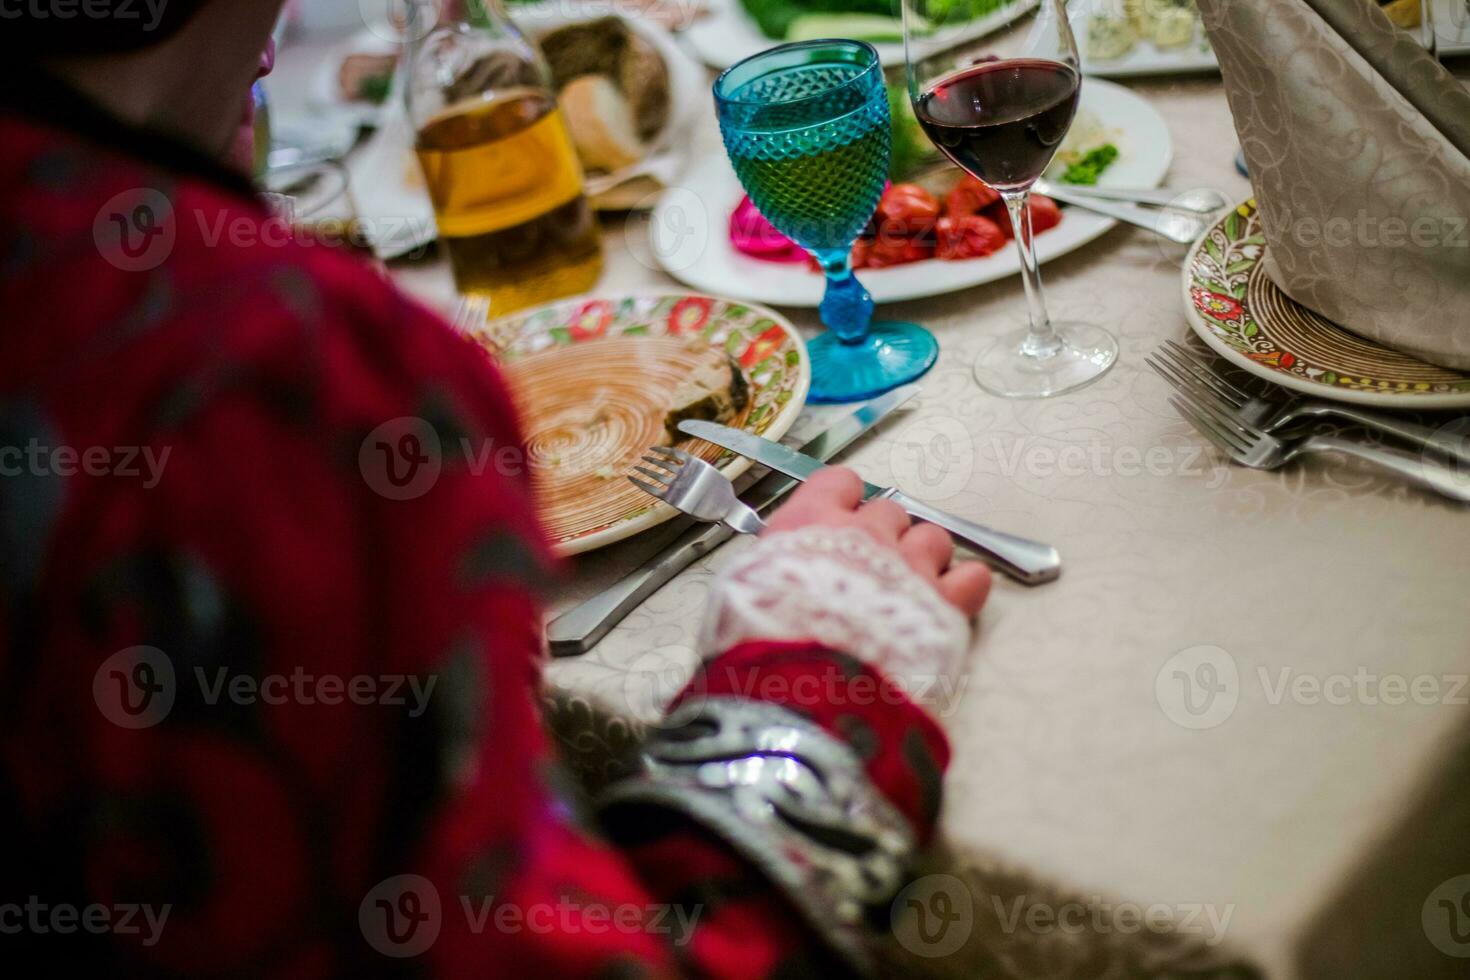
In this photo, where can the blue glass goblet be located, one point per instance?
(806, 127)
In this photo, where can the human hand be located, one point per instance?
(832, 497)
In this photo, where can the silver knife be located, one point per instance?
(1026, 561)
(580, 628)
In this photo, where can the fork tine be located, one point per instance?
(1231, 421)
(1178, 379)
(663, 479)
(1201, 411)
(1205, 427)
(1205, 373)
(1202, 374)
(649, 488)
(660, 461)
(672, 457)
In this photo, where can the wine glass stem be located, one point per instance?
(846, 309)
(1041, 340)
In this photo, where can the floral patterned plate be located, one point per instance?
(590, 408)
(1241, 314)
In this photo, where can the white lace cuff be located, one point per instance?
(841, 588)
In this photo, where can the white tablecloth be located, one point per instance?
(1319, 596)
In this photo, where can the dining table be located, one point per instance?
(1233, 736)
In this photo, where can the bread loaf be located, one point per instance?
(601, 123)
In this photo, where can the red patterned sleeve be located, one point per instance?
(336, 579)
(524, 881)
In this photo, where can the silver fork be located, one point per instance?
(1185, 371)
(697, 488)
(1258, 449)
(1176, 226)
(1200, 200)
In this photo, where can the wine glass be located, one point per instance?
(1002, 120)
(807, 130)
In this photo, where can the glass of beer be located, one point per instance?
(499, 163)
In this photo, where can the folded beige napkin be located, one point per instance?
(1358, 144)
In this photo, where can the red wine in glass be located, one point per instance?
(1002, 120)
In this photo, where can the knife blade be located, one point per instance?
(580, 628)
(1024, 560)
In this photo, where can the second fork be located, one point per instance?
(1253, 447)
(1182, 369)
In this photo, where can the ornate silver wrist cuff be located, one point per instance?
(789, 797)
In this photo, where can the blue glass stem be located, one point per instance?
(846, 308)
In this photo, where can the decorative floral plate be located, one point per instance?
(591, 411)
(1243, 315)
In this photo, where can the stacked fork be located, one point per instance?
(1243, 426)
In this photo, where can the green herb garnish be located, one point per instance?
(1091, 166)
(375, 88)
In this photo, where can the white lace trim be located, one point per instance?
(840, 587)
